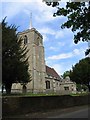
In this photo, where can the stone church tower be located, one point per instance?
(34, 42)
(43, 78)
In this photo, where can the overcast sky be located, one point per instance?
(60, 51)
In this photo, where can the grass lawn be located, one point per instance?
(80, 94)
(29, 94)
(42, 94)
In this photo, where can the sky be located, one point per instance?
(61, 53)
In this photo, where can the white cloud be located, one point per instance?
(45, 38)
(54, 48)
(75, 52)
(65, 33)
(57, 47)
(12, 9)
(21, 0)
(44, 12)
(61, 43)
(61, 56)
(0, 12)
(29, 0)
(47, 30)
(45, 16)
(59, 34)
(27, 11)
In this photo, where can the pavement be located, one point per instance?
(72, 112)
(82, 113)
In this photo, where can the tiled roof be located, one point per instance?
(52, 72)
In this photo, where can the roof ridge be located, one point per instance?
(52, 72)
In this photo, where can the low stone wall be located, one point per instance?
(23, 105)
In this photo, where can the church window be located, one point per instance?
(66, 88)
(47, 84)
(25, 39)
(72, 89)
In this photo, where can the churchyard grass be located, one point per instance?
(43, 94)
(80, 94)
(29, 94)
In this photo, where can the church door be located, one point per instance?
(24, 89)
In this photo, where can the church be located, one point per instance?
(44, 79)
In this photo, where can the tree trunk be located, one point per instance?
(88, 86)
(8, 88)
(2, 88)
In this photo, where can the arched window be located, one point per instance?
(24, 89)
(25, 39)
(47, 84)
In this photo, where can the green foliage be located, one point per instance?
(78, 19)
(81, 72)
(84, 87)
(80, 87)
(52, 3)
(80, 94)
(14, 61)
(65, 74)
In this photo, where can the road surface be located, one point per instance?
(81, 113)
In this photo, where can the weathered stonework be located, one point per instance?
(44, 79)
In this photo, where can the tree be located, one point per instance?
(14, 61)
(80, 73)
(65, 74)
(78, 20)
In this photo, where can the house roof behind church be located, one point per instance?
(52, 72)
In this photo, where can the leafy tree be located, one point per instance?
(80, 73)
(14, 61)
(80, 87)
(65, 74)
(78, 19)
